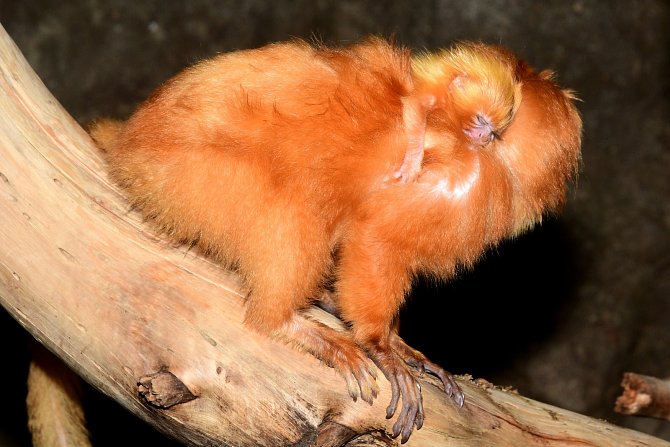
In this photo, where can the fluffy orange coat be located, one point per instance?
(362, 167)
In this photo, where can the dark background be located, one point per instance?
(559, 313)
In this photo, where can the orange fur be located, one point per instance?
(278, 160)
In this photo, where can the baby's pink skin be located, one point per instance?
(482, 132)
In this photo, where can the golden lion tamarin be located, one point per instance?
(305, 165)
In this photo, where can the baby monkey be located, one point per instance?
(306, 165)
(472, 83)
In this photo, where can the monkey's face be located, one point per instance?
(534, 147)
(541, 148)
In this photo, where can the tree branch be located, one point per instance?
(153, 326)
(644, 396)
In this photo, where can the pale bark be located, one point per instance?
(91, 282)
(55, 412)
(644, 396)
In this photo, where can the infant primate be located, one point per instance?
(359, 166)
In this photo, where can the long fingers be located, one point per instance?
(450, 388)
(365, 376)
(403, 386)
(411, 412)
(395, 396)
(421, 364)
(361, 380)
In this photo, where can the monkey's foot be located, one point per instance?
(395, 362)
(403, 384)
(420, 362)
(411, 166)
(339, 351)
(359, 374)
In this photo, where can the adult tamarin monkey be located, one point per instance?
(360, 166)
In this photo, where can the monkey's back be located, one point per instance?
(285, 139)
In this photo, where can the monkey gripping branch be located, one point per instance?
(161, 331)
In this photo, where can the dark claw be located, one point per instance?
(411, 405)
(405, 386)
(411, 412)
(419, 420)
(450, 388)
(395, 362)
(397, 427)
(395, 396)
(459, 398)
(421, 364)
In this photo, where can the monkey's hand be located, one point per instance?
(420, 363)
(411, 164)
(415, 111)
(395, 362)
(338, 350)
(403, 384)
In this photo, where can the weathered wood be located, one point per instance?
(55, 411)
(644, 396)
(92, 283)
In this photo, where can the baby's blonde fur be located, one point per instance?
(474, 77)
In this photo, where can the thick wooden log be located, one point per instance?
(160, 329)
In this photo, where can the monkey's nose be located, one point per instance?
(481, 132)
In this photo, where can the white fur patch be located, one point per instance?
(456, 189)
